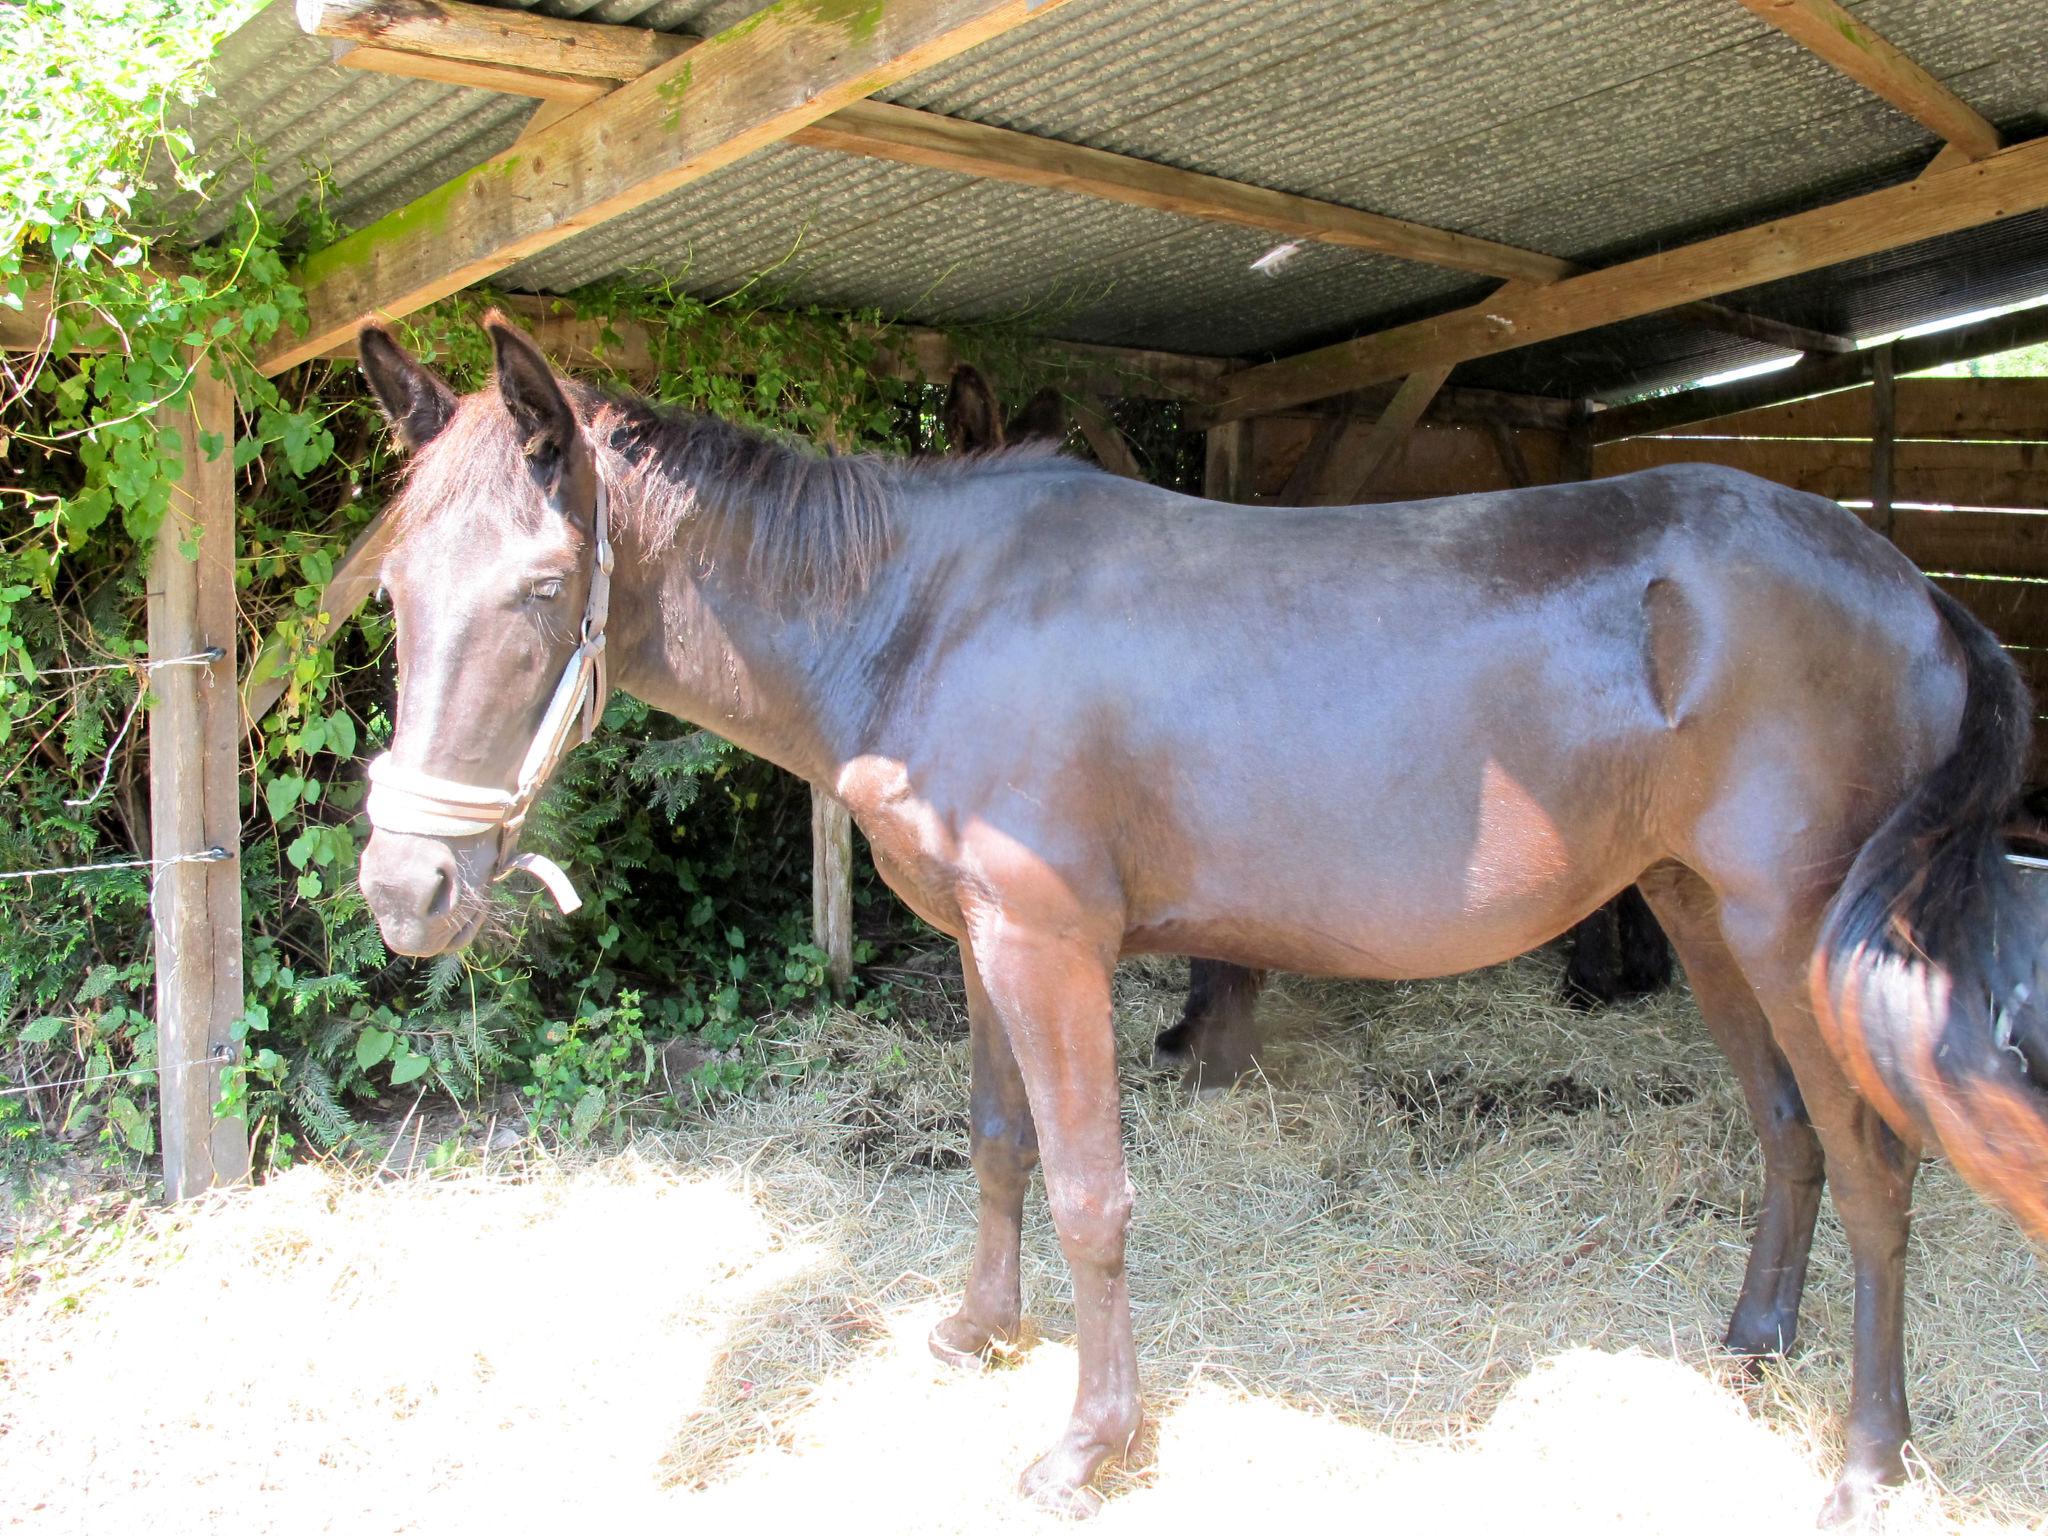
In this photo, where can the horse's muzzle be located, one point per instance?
(427, 894)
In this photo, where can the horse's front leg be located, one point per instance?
(1051, 990)
(1005, 1149)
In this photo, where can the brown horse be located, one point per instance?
(1079, 717)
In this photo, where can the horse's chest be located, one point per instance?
(915, 852)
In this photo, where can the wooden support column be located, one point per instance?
(832, 884)
(194, 732)
(1227, 462)
(1884, 435)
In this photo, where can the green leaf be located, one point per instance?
(372, 1046)
(588, 1111)
(341, 734)
(42, 1031)
(408, 1066)
(282, 793)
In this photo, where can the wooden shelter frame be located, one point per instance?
(626, 115)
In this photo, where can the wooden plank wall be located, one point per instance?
(1972, 452)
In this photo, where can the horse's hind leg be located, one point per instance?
(1871, 1173)
(1766, 1316)
(1004, 1143)
(1216, 1040)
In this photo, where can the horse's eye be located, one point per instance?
(548, 588)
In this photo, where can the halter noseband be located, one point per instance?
(408, 800)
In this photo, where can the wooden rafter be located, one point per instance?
(1859, 51)
(487, 34)
(1105, 440)
(1940, 202)
(750, 86)
(583, 56)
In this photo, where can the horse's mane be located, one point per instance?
(813, 525)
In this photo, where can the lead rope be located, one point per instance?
(409, 800)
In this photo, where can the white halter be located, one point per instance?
(407, 800)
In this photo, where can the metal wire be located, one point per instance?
(220, 1056)
(209, 856)
(205, 658)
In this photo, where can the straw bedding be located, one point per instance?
(1460, 1258)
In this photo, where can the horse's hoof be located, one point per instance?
(1756, 1344)
(1168, 1057)
(1049, 1483)
(1848, 1503)
(1854, 1500)
(961, 1342)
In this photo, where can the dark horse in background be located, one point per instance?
(1398, 742)
(1617, 952)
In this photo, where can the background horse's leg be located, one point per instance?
(1766, 1316)
(1005, 1149)
(1871, 1173)
(1216, 1040)
(1053, 997)
(1645, 951)
(1618, 952)
(1592, 974)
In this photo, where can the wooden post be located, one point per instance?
(1227, 462)
(832, 884)
(1884, 434)
(194, 730)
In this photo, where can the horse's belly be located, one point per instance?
(1399, 885)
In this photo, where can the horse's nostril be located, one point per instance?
(442, 900)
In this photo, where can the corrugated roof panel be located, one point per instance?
(1591, 128)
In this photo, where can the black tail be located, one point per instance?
(1929, 981)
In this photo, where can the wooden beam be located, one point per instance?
(354, 578)
(1107, 443)
(1859, 51)
(2010, 182)
(488, 35)
(750, 86)
(880, 131)
(1348, 451)
(194, 731)
(1508, 448)
(1817, 376)
(505, 79)
(1772, 333)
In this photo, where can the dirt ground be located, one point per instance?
(1459, 1261)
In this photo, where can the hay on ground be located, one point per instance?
(1460, 1258)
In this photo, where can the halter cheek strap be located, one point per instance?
(411, 801)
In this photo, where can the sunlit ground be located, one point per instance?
(1458, 1264)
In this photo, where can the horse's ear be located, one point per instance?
(411, 395)
(534, 396)
(971, 418)
(1044, 416)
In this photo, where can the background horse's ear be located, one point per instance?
(971, 417)
(411, 395)
(1044, 416)
(534, 396)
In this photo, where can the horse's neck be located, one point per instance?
(693, 637)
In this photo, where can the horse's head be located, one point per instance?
(498, 575)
